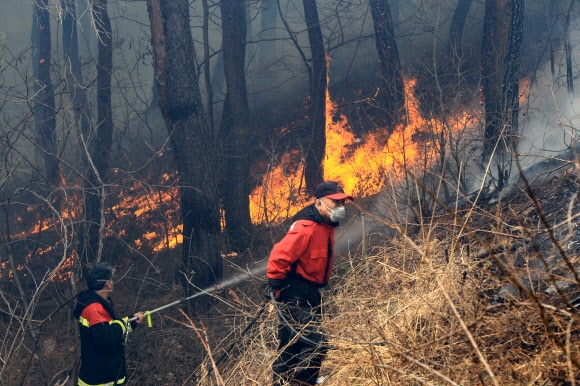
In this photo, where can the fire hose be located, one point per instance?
(262, 308)
(168, 305)
(148, 316)
(269, 298)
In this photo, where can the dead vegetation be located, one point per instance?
(480, 297)
(479, 293)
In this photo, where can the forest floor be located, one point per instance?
(483, 295)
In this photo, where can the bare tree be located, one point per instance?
(73, 73)
(235, 129)
(191, 139)
(457, 26)
(393, 92)
(98, 144)
(44, 107)
(206, 66)
(500, 61)
(314, 165)
(568, 49)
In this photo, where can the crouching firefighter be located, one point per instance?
(102, 334)
(299, 266)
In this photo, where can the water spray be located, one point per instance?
(209, 290)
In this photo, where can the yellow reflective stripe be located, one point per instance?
(119, 323)
(127, 324)
(149, 323)
(119, 382)
(85, 322)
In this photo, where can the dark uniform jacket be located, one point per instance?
(102, 350)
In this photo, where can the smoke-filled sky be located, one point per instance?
(348, 34)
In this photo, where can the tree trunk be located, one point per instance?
(235, 131)
(191, 140)
(98, 144)
(248, 17)
(500, 58)
(206, 66)
(314, 166)
(493, 49)
(456, 28)
(511, 80)
(393, 92)
(218, 78)
(45, 112)
(73, 73)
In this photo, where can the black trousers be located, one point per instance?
(302, 346)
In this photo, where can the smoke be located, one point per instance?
(550, 116)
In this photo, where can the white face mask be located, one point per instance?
(336, 214)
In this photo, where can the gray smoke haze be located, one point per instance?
(277, 80)
(550, 117)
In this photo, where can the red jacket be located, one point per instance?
(306, 250)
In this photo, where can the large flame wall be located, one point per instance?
(362, 165)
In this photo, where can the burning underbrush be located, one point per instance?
(479, 295)
(482, 296)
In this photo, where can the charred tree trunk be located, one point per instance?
(511, 80)
(493, 50)
(500, 58)
(235, 130)
(206, 66)
(191, 140)
(314, 165)
(393, 93)
(98, 144)
(45, 112)
(551, 20)
(218, 78)
(104, 135)
(73, 73)
(456, 29)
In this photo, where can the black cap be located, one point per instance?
(332, 190)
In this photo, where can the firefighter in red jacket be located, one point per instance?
(102, 335)
(298, 267)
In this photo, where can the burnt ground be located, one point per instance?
(169, 353)
(528, 238)
(527, 241)
(530, 235)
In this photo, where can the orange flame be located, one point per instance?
(362, 165)
(163, 233)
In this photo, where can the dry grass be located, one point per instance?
(431, 307)
(423, 310)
